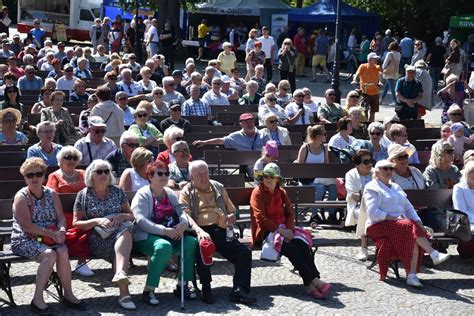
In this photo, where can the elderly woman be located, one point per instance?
(146, 83)
(79, 93)
(453, 93)
(227, 59)
(39, 233)
(376, 131)
(359, 130)
(315, 151)
(251, 97)
(111, 82)
(45, 149)
(271, 107)
(147, 134)
(103, 205)
(160, 107)
(398, 135)
(356, 180)
(387, 123)
(160, 225)
(424, 77)
(272, 213)
(81, 70)
(10, 119)
(269, 88)
(463, 200)
(135, 178)
(283, 95)
(353, 101)
(179, 173)
(455, 115)
(274, 131)
(172, 135)
(394, 226)
(66, 133)
(343, 138)
(407, 177)
(45, 95)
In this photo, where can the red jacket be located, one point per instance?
(300, 44)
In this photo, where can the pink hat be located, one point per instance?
(271, 148)
(207, 250)
(246, 116)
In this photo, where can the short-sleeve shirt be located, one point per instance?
(369, 75)
(20, 139)
(332, 113)
(239, 141)
(409, 89)
(202, 30)
(96, 151)
(49, 158)
(293, 108)
(322, 46)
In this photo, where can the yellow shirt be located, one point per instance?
(202, 30)
(227, 62)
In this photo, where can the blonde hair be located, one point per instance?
(468, 168)
(32, 163)
(140, 156)
(144, 105)
(437, 152)
(314, 131)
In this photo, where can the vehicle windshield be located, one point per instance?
(96, 12)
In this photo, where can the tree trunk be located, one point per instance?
(168, 9)
(299, 3)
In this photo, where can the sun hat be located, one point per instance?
(271, 149)
(272, 170)
(395, 150)
(225, 79)
(207, 248)
(467, 155)
(96, 121)
(410, 68)
(384, 163)
(11, 111)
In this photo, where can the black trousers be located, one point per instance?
(297, 251)
(290, 76)
(169, 53)
(240, 255)
(269, 69)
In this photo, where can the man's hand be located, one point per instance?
(198, 143)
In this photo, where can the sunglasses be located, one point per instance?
(178, 139)
(299, 96)
(375, 133)
(272, 99)
(184, 150)
(75, 158)
(161, 173)
(456, 114)
(100, 171)
(158, 93)
(68, 70)
(123, 98)
(354, 96)
(402, 157)
(266, 176)
(449, 151)
(132, 145)
(141, 115)
(31, 175)
(331, 94)
(273, 121)
(367, 161)
(216, 83)
(99, 131)
(387, 168)
(176, 109)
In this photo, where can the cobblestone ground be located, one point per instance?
(448, 289)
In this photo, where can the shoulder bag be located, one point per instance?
(457, 225)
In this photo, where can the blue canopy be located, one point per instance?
(324, 12)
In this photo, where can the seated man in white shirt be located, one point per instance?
(128, 85)
(297, 109)
(66, 82)
(101, 56)
(215, 95)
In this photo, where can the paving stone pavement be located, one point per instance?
(448, 289)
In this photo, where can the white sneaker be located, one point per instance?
(438, 257)
(363, 254)
(412, 280)
(83, 269)
(392, 104)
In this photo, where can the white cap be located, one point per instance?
(372, 56)
(225, 79)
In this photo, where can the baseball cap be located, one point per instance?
(372, 56)
(225, 79)
(174, 104)
(265, 28)
(68, 66)
(384, 163)
(245, 116)
(33, 46)
(96, 121)
(207, 248)
(177, 73)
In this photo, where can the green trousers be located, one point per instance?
(159, 249)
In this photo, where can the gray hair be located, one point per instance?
(210, 68)
(453, 108)
(68, 150)
(375, 126)
(354, 109)
(196, 164)
(167, 79)
(95, 165)
(169, 132)
(27, 58)
(437, 152)
(195, 75)
(156, 89)
(226, 44)
(252, 83)
(40, 126)
(144, 69)
(297, 91)
(125, 70)
(190, 60)
(127, 135)
(468, 168)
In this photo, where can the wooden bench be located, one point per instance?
(233, 109)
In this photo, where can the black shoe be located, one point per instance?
(81, 306)
(240, 297)
(40, 311)
(189, 293)
(149, 297)
(207, 296)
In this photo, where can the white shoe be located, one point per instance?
(392, 104)
(83, 269)
(121, 278)
(412, 280)
(363, 254)
(127, 303)
(438, 257)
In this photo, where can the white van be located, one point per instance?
(77, 15)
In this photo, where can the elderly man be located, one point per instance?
(211, 212)
(409, 91)
(152, 38)
(101, 56)
(95, 145)
(369, 75)
(248, 138)
(30, 81)
(215, 96)
(121, 99)
(120, 157)
(298, 112)
(61, 53)
(128, 85)
(6, 52)
(67, 81)
(175, 118)
(194, 106)
(178, 81)
(68, 58)
(170, 92)
(231, 93)
(330, 112)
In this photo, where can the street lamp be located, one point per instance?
(138, 45)
(336, 67)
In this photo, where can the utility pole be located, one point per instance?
(336, 66)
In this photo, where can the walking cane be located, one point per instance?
(182, 272)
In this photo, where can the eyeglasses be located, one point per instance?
(99, 131)
(456, 114)
(75, 158)
(387, 168)
(132, 145)
(273, 121)
(375, 133)
(184, 150)
(449, 151)
(31, 175)
(367, 161)
(402, 157)
(176, 109)
(100, 171)
(160, 174)
(141, 115)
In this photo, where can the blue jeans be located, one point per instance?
(321, 190)
(389, 83)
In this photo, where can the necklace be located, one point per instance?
(69, 177)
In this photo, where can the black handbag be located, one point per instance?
(457, 225)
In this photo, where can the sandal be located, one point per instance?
(316, 294)
(325, 289)
(127, 303)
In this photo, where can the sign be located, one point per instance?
(465, 22)
(209, 9)
(279, 21)
(59, 33)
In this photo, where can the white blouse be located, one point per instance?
(463, 200)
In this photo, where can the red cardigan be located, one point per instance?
(265, 216)
(164, 156)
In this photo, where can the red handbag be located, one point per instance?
(77, 242)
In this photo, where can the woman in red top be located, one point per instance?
(68, 179)
(171, 135)
(271, 211)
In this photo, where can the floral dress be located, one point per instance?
(43, 215)
(449, 100)
(88, 202)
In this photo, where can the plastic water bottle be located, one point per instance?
(229, 233)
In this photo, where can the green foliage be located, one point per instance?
(131, 5)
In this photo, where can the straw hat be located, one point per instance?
(11, 112)
(395, 150)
